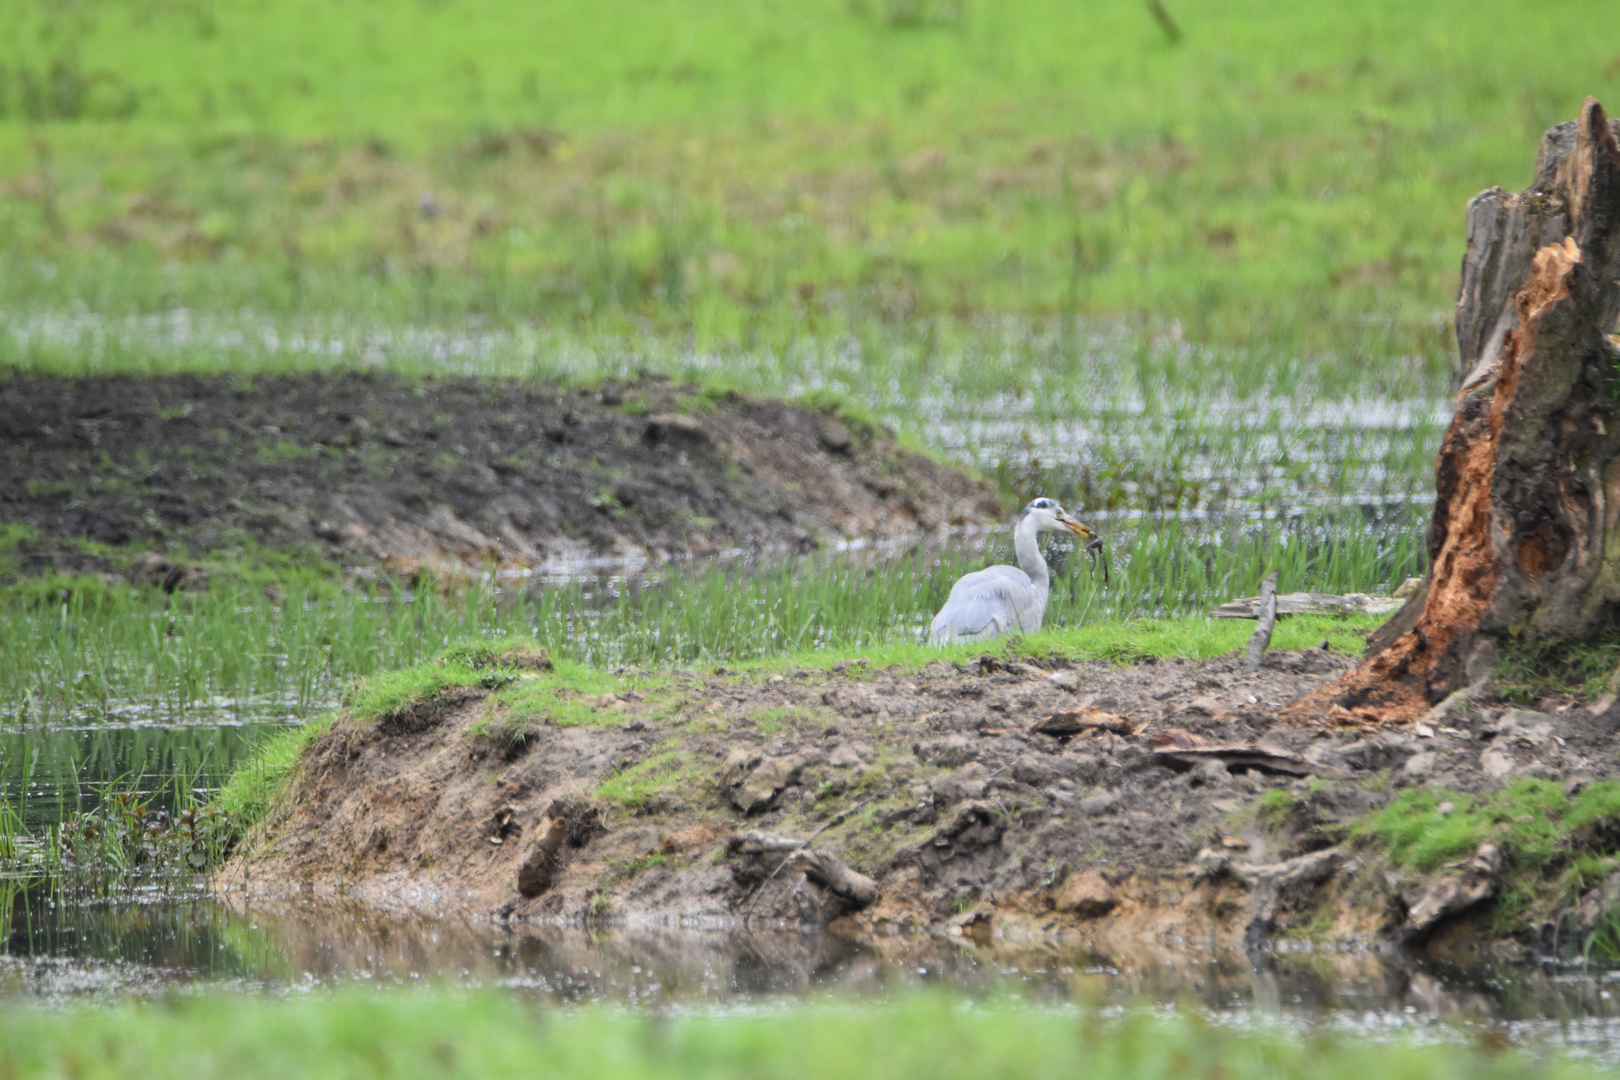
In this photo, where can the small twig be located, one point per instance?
(834, 820)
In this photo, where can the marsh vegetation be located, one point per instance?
(1189, 271)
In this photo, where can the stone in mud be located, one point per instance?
(851, 755)
(1210, 774)
(1085, 894)
(1495, 764)
(760, 787)
(1098, 805)
(948, 753)
(1034, 770)
(966, 783)
(739, 763)
(1420, 764)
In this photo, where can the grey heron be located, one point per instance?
(1003, 599)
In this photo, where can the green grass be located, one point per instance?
(568, 693)
(1529, 820)
(632, 787)
(980, 229)
(253, 791)
(443, 1033)
(1554, 846)
(747, 172)
(82, 648)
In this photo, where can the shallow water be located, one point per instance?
(59, 953)
(52, 773)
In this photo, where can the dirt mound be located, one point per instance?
(370, 468)
(706, 802)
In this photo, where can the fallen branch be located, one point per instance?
(1066, 722)
(1246, 756)
(776, 843)
(829, 871)
(1309, 603)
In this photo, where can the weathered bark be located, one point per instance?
(1525, 538)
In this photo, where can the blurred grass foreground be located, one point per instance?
(439, 1034)
(745, 174)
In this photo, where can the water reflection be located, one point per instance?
(55, 950)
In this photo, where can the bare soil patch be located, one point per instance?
(372, 469)
(689, 801)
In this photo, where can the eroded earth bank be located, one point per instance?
(1169, 802)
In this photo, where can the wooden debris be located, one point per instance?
(540, 865)
(1304, 603)
(852, 887)
(1261, 639)
(1066, 722)
(1176, 737)
(1246, 756)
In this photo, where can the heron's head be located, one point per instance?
(1050, 517)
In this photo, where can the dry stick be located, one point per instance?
(834, 820)
(1268, 619)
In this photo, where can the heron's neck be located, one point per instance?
(1029, 552)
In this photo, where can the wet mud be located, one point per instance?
(374, 470)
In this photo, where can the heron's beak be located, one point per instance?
(1079, 528)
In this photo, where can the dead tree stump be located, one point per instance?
(1525, 538)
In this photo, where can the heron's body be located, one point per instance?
(1006, 599)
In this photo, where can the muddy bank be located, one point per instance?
(370, 469)
(1169, 801)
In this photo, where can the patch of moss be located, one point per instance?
(1531, 821)
(623, 870)
(1528, 671)
(659, 772)
(1274, 806)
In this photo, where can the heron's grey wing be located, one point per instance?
(986, 603)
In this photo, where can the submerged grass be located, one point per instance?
(130, 841)
(438, 1033)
